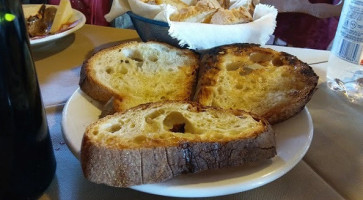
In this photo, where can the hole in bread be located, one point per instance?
(177, 123)
(233, 66)
(245, 71)
(109, 70)
(178, 128)
(114, 128)
(133, 54)
(153, 58)
(277, 62)
(260, 57)
(95, 132)
(137, 59)
(155, 114)
(132, 125)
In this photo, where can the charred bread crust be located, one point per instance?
(122, 167)
(211, 67)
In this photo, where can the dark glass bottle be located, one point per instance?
(27, 163)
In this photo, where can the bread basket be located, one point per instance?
(152, 30)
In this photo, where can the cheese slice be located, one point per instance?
(63, 14)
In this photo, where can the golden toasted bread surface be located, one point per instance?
(157, 141)
(138, 72)
(271, 84)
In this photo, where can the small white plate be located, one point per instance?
(32, 9)
(293, 139)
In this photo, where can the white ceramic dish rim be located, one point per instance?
(293, 139)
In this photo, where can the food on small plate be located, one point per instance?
(271, 84)
(154, 131)
(63, 16)
(50, 20)
(40, 23)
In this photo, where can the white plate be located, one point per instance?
(293, 139)
(32, 9)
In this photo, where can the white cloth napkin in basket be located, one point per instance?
(200, 36)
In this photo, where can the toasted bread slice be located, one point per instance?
(209, 3)
(177, 3)
(200, 13)
(152, 2)
(250, 5)
(138, 72)
(224, 3)
(158, 141)
(233, 16)
(274, 85)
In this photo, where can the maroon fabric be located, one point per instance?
(302, 30)
(94, 10)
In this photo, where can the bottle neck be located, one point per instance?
(12, 22)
